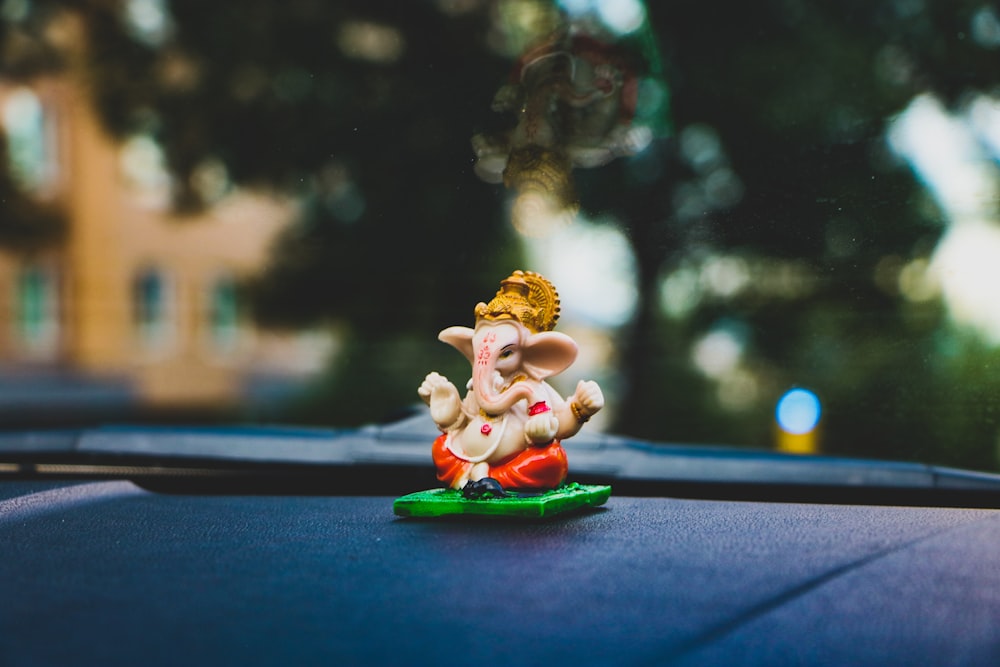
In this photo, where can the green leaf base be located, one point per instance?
(449, 502)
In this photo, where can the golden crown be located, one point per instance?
(526, 297)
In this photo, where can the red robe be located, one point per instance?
(543, 467)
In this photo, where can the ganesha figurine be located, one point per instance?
(505, 433)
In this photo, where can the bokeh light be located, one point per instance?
(718, 353)
(620, 16)
(798, 411)
(594, 267)
(954, 155)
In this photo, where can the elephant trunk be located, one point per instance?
(487, 385)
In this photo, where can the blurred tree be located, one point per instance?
(24, 222)
(362, 110)
(778, 167)
(788, 102)
(357, 107)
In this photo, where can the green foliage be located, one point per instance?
(800, 95)
(398, 239)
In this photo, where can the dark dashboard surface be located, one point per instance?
(108, 573)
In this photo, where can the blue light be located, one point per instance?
(798, 411)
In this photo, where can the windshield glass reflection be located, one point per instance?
(267, 210)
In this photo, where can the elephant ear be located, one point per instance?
(459, 338)
(548, 353)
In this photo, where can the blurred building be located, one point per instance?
(133, 308)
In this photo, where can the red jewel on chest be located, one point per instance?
(485, 430)
(538, 408)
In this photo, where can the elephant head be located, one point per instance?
(504, 352)
(513, 341)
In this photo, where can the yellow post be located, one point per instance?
(796, 422)
(798, 443)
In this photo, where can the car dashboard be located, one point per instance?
(120, 569)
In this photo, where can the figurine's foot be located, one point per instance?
(487, 487)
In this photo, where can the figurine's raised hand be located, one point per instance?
(442, 397)
(587, 399)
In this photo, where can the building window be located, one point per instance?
(36, 310)
(152, 308)
(30, 140)
(224, 314)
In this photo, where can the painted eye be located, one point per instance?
(506, 353)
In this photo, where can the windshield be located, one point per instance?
(770, 224)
